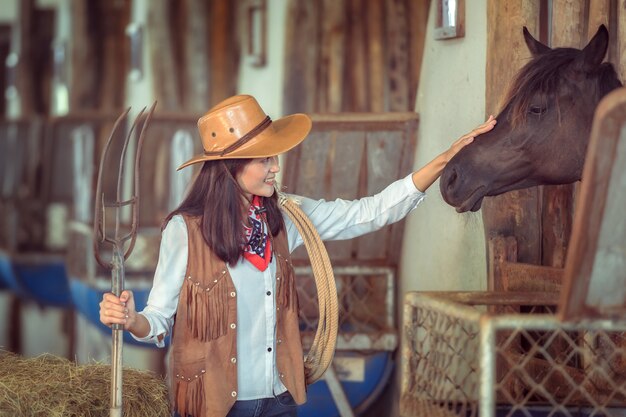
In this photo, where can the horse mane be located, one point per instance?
(544, 73)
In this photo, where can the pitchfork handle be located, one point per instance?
(117, 286)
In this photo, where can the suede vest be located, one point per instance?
(204, 339)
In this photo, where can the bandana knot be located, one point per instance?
(257, 249)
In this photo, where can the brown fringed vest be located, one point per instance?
(204, 339)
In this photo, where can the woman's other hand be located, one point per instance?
(118, 310)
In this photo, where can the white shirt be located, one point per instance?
(257, 375)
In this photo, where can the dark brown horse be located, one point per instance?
(542, 132)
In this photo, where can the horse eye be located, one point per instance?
(537, 110)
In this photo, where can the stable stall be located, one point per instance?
(535, 353)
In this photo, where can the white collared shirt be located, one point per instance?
(257, 376)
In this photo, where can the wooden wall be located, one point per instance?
(540, 218)
(353, 55)
(193, 45)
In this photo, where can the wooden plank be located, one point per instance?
(418, 16)
(568, 29)
(568, 23)
(375, 34)
(332, 53)
(115, 54)
(164, 68)
(595, 272)
(197, 72)
(517, 276)
(515, 213)
(383, 151)
(599, 11)
(556, 223)
(356, 89)
(397, 55)
(495, 298)
(343, 166)
(301, 57)
(223, 59)
(500, 249)
(82, 59)
(306, 172)
(506, 50)
(404, 168)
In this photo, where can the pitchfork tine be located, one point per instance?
(98, 218)
(120, 181)
(135, 212)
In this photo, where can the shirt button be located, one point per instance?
(233, 360)
(269, 293)
(233, 325)
(269, 349)
(233, 394)
(232, 294)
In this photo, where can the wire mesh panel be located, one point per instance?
(475, 354)
(366, 307)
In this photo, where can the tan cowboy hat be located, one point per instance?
(239, 128)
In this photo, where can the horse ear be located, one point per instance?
(593, 54)
(534, 46)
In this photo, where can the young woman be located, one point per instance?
(224, 287)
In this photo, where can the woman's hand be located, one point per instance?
(468, 138)
(425, 176)
(114, 310)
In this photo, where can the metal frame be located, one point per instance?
(485, 346)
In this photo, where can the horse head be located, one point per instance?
(542, 132)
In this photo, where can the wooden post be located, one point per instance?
(301, 54)
(162, 57)
(332, 51)
(397, 55)
(515, 213)
(82, 59)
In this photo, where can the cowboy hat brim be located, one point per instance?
(283, 135)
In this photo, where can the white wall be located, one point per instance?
(444, 250)
(8, 11)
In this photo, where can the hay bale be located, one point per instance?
(49, 386)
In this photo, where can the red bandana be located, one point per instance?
(257, 249)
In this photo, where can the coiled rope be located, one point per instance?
(322, 350)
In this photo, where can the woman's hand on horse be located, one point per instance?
(118, 310)
(468, 138)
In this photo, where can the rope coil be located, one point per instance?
(320, 356)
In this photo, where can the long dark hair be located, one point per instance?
(216, 198)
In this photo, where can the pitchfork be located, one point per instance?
(117, 240)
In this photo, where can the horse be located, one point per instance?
(543, 130)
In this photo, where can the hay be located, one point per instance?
(49, 386)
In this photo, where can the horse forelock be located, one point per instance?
(542, 75)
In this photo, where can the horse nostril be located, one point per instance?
(451, 179)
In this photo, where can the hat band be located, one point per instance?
(244, 139)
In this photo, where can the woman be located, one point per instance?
(224, 271)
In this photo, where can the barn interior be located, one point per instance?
(389, 84)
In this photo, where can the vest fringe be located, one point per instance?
(207, 311)
(190, 397)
